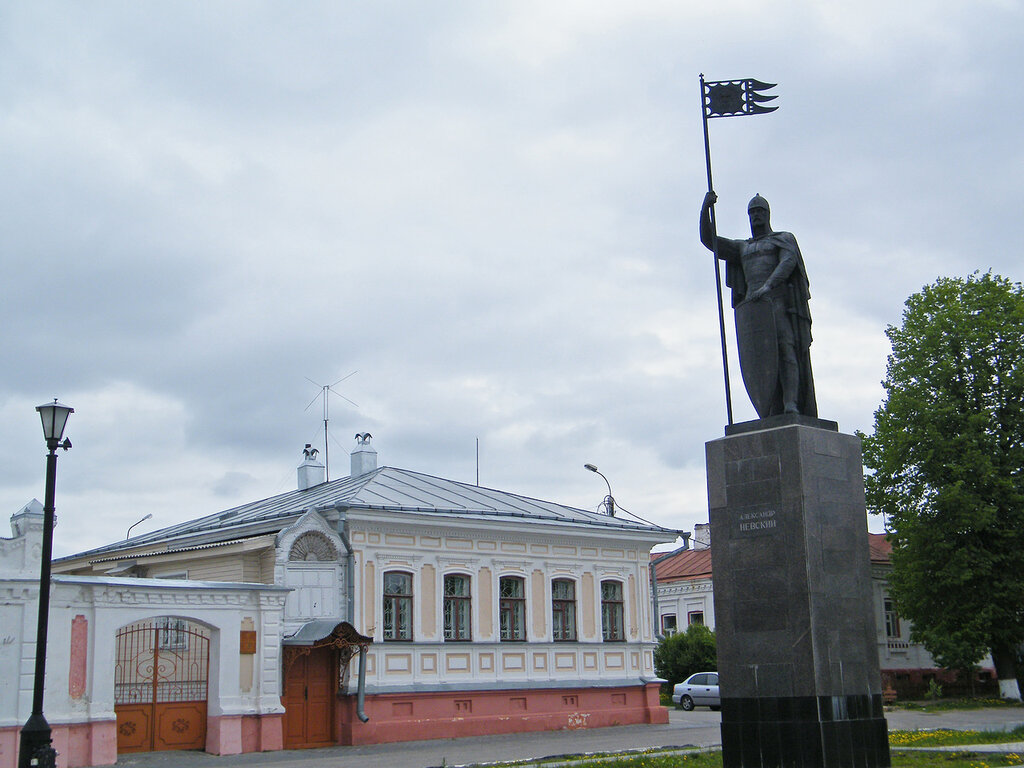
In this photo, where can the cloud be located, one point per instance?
(489, 212)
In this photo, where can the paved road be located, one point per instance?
(699, 727)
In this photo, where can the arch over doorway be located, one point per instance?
(161, 684)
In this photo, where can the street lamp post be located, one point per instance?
(609, 500)
(136, 523)
(36, 745)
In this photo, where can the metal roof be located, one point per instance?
(386, 489)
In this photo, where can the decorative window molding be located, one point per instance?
(456, 561)
(394, 557)
(521, 566)
(612, 570)
(562, 567)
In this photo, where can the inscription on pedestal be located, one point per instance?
(760, 521)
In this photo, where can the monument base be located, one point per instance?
(797, 650)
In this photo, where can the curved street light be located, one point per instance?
(136, 523)
(609, 500)
(36, 743)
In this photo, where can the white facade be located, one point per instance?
(685, 602)
(429, 551)
(85, 614)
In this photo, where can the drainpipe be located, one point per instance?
(361, 694)
(350, 572)
(351, 612)
(654, 602)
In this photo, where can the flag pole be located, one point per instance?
(714, 241)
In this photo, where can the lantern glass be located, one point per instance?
(54, 417)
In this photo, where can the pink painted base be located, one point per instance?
(262, 733)
(443, 715)
(235, 734)
(78, 744)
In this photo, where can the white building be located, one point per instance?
(480, 611)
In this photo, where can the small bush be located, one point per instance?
(680, 655)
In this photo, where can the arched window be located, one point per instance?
(611, 611)
(512, 608)
(456, 607)
(397, 605)
(563, 610)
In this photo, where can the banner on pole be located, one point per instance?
(730, 98)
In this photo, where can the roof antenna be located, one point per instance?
(326, 392)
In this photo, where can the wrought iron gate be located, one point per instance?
(160, 685)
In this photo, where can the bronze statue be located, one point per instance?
(770, 296)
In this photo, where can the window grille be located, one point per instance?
(512, 608)
(563, 610)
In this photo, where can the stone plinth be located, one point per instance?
(797, 653)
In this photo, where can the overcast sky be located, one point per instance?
(487, 210)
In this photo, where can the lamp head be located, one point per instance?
(591, 467)
(54, 417)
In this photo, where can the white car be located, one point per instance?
(699, 690)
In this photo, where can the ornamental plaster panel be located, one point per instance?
(450, 561)
(397, 557)
(553, 567)
(684, 589)
(520, 566)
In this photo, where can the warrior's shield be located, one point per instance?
(759, 352)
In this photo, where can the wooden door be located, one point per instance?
(309, 700)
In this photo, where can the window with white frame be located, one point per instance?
(611, 612)
(456, 607)
(397, 611)
(512, 608)
(668, 624)
(563, 610)
(694, 617)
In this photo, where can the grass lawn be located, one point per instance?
(714, 760)
(947, 738)
(945, 705)
(900, 759)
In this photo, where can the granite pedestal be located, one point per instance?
(797, 650)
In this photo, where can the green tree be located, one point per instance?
(680, 655)
(945, 466)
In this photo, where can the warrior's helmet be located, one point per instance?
(757, 202)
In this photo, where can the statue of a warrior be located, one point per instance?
(773, 322)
